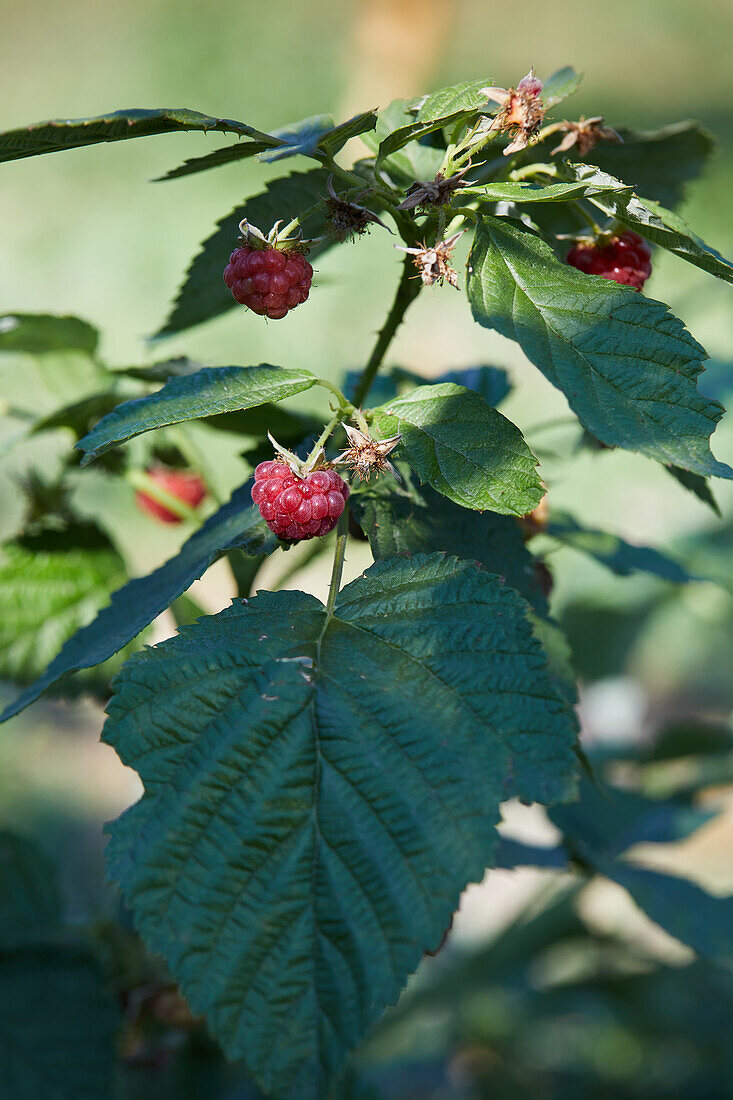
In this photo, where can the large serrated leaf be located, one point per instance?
(208, 392)
(57, 134)
(204, 294)
(40, 333)
(627, 366)
(57, 1026)
(237, 525)
(307, 830)
(464, 448)
(657, 164)
(396, 523)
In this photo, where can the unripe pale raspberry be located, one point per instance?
(298, 508)
(267, 280)
(186, 485)
(625, 259)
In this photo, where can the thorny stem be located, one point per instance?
(408, 289)
(342, 532)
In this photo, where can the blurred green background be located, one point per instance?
(85, 233)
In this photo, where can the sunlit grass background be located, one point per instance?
(85, 233)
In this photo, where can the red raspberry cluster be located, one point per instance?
(298, 507)
(186, 485)
(625, 259)
(267, 280)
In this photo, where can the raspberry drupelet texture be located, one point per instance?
(298, 507)
(270, 282)
(625, 259)
(186, 485)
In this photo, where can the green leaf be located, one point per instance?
(512, 853)
(656, 223)
(413, 161)
(659, 163)
(465, 449)
(615, 553)
(439, 106)
(57, 134)
(226, 155)
(334, 141)
(210, 391)
(551, 192)
(606, 821)
(203, 294)
(398, 524)
(689, 913)
(46, 597)
(563, 83)
(57, 1026)
(30, 901)
(300, 137)
(312, 137)
(696, 484)
(38, 333)
(133, 607)
(411, 133)
(282, 859)
(627, 366)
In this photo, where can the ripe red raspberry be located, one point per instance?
(298, 507)
(186, 485)
(625, 259)
(268, 281)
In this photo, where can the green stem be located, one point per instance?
(587, 218)
(530, 170)
(343, 403)
(299, 219)
(144, 483)
(408, 289)
(321, 441)
(339, 556)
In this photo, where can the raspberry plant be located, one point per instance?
(324, 778)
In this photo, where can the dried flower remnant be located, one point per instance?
(522, 111)
(433, 262)
(584, 135)
(347, 219)
(365, 455)
(435, 192)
